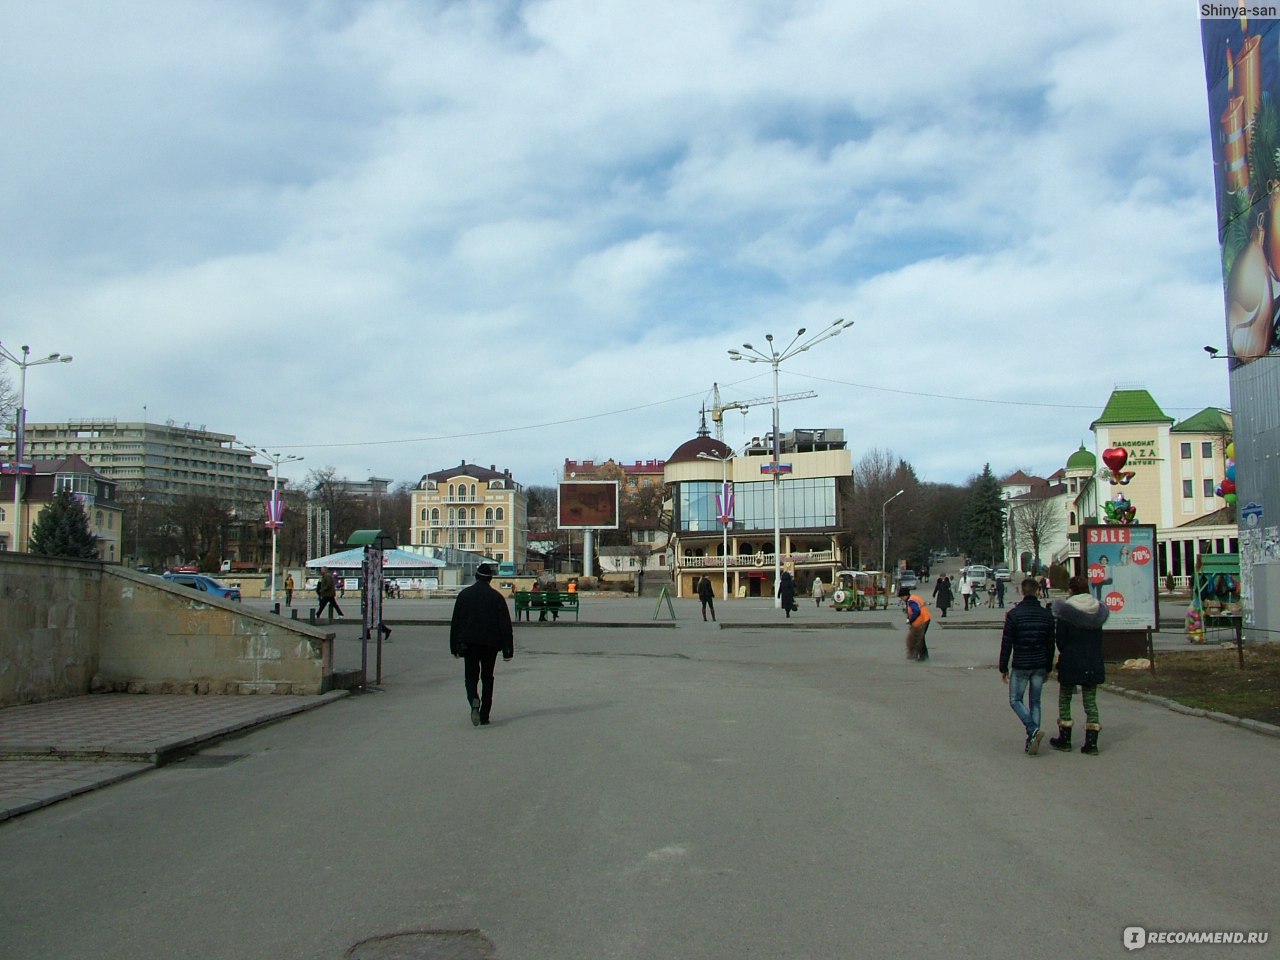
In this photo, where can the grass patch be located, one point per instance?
(1210, 678)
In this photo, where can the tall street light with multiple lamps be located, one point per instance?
(774, 357)
(274, 519)
(20, 428)
(884, 533)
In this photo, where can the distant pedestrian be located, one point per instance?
(288, 589)
(1044, 587)
(966, 589)
(325, 590)
(1079, 636)
(340, 583)
(991, 594)
(479, 629)
(942, 594)
(917, 624)
(817, 591)
(708, 597)
(787, 592)
(1027, 640)
(1000, 593)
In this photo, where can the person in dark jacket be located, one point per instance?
(942, 594)
(787, 591)
(1027, 640)
(708, 597)
(327, 590)
(481, 626)
(1079, 635)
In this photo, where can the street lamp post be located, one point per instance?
(884, 532)
(274, 521)
(20, 428)
(774, 357)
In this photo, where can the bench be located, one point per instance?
(545, 601)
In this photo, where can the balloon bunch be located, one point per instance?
(1119, 512)
(1115, 458)
(1195, 623)
(1227, 488)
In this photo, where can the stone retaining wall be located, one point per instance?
(71, 627)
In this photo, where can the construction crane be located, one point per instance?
(718, 408)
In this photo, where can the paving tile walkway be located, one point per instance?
(56, 749)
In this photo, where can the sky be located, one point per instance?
(392, 236)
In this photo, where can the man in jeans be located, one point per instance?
(1028, 640)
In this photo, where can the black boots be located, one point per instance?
(1063, 740)
(1090, 743)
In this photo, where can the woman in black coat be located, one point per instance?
(787, 591)
(1079, 635)
(942, 595)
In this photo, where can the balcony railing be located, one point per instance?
(750, 560)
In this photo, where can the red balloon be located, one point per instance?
(1228, 487)
(1115, 458)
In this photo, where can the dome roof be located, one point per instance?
(1082, 459)
(702, 443)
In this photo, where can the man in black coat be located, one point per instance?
(1028, 640)
(481, 626)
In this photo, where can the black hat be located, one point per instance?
(485, 571)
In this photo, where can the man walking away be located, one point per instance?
(1028, 640)
(1079, 634)
(918, 620)
(481, 626)
(708, 597)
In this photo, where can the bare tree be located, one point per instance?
(8, 401)
(1035, 521)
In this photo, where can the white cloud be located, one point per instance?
(331, 223)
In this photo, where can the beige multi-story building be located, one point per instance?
(471, 508)
(48, 478)
(155, 460)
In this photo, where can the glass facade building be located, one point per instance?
(805, 504)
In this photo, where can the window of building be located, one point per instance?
(488, 515)
(1, 514)
(98, 519)
(498, 514)
(473, 491)
(1187, 491)
(500, 536)
(1208, 488)
(1206, 449)
(435, 516)
(804, 503)
(488, 536)
(423, 515)
(1186, 450)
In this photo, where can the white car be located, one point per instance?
(1002, 573)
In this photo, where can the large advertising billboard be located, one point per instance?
(1242, 72)
(588, 505)
(1120, 564)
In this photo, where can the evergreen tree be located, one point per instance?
(62, 530)
(982, 523)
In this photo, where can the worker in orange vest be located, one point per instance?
(918, 619)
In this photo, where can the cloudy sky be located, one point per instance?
(391, 236)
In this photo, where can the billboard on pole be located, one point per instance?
(588, 505)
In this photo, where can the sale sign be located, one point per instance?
(1119, 563)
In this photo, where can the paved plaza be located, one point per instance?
(752, 788)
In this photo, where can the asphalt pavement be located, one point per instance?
(755, 787)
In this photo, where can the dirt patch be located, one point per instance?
(1211, 679)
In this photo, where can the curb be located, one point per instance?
(1254, 726)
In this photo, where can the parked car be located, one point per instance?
(976, 572)
(908, 579)
(204, 584)
(1002, 573)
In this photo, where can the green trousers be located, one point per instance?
(1090, 693)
